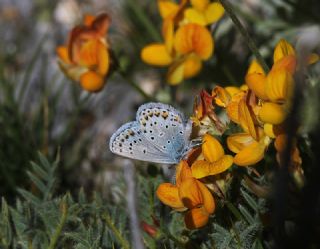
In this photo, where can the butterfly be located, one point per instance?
(160, 134)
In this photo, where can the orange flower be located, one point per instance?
(188, 195)
(86, 57)
(215, 161)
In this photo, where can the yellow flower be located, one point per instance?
(248, 150)
(188, 195)
(183, 51)
(185, 44)
(86, 57)
(203, 12)
(275, 89)
(215, 161)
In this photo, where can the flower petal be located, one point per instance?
(238, 142)
(313, 58)
(156, 54)
(101, 24)
(255, 67)
(168, 34)
(91, 81)
(88, 19)
(194, 38)
(196, 218)
(195, 16)
(200, 5)
(63, 54)
(202, 168)
(192, 66)
(190, 194)
(233, 107)
(256, 82)
(279, 85)
(246, 118)
(272, 113)
(287, 63)
(282, 49)
(183, 172)
(168, 194)
(211, 148)
(175, 73)
(167, 8)
(214, 12)
(208, 200)
(221, 96)
(251, 154)
(88, 56)
(103, 59)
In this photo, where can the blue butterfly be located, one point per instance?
(160, 134)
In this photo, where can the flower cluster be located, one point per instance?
(259, 108)
(86, 57)
(187, 41)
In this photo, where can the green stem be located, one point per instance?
(124, 243)
(145, 21)
(251, 44)
(57, 233)
(135, 86)
(234, 210)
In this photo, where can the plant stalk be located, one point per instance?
(251, 44)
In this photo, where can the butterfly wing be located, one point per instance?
(128, 141)
(166, 128)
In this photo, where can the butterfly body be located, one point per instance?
(160, 134)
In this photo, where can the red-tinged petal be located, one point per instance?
(190, 194)
(101, 24)
(196, 218)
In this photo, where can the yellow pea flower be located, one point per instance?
(203, 12)
(189, 195)
(86, 57)
(215, 161)
(248, 150)
(275, 89)
(183, 51)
